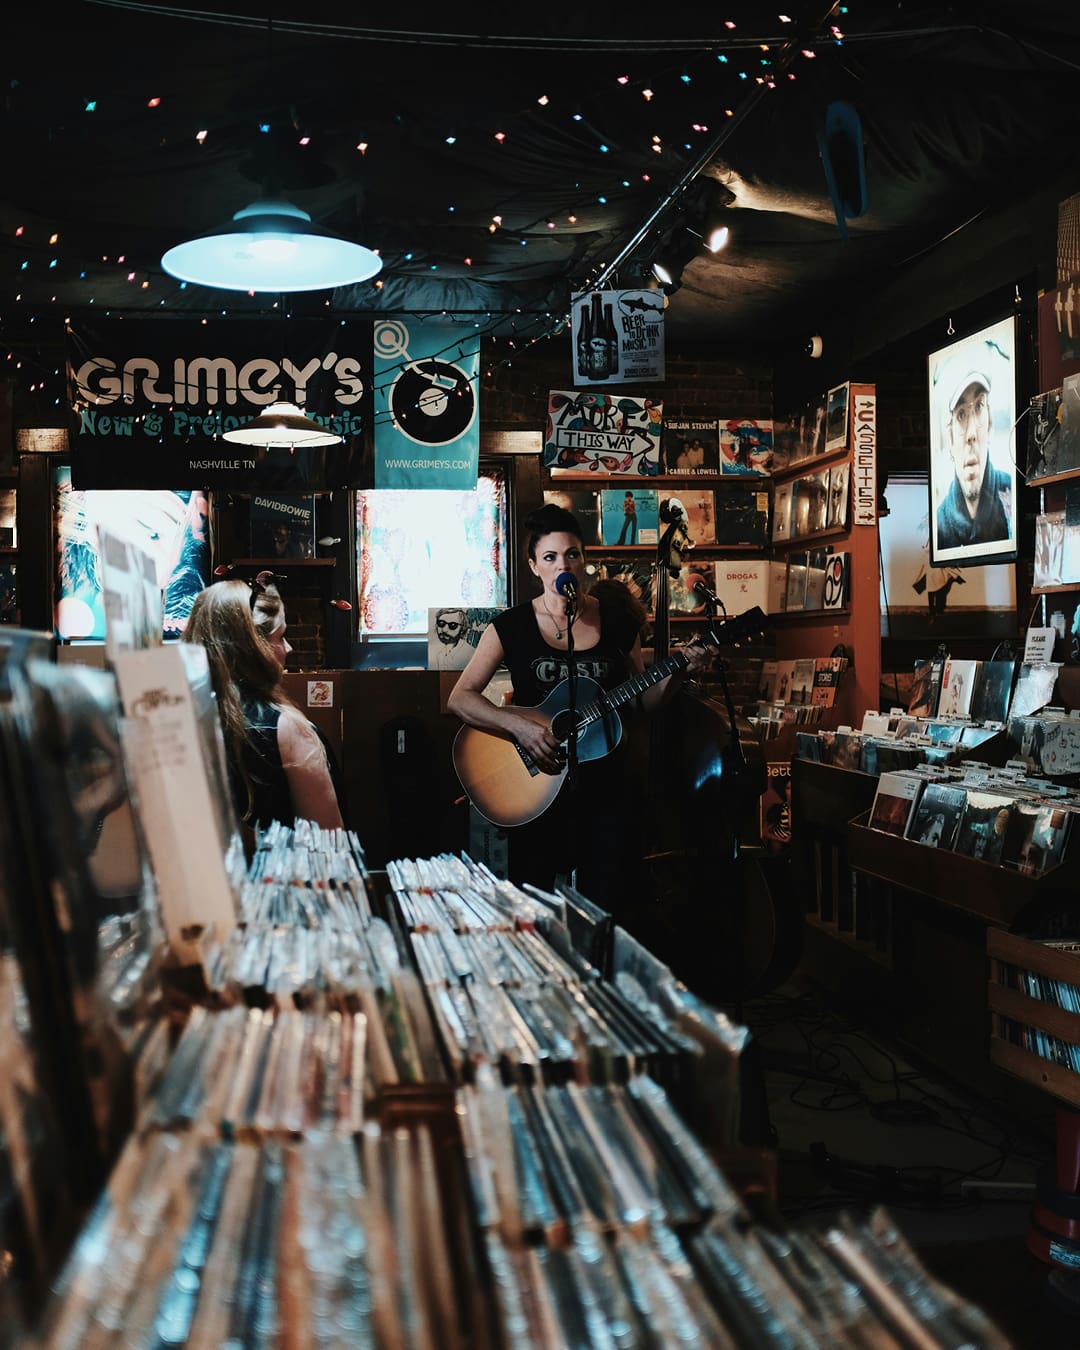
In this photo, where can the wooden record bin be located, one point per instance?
(1010, 1004)
(856, 913)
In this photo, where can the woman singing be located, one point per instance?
(588, 829)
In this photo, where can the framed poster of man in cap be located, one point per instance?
(972, 388)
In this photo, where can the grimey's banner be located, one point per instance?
(155, 397)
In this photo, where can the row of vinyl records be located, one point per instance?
(265, 1194)
(268, 1188)
(636, 516)
(985, 691)
(997, 817)
(632, 516)
(334, 1243)
(1046, 744)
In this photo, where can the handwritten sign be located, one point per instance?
(864, 458)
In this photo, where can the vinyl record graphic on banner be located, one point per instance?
(432, 402)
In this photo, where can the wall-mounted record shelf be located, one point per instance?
(801, 540)
(811, 464)
(1063, 477)
(799, 614)
(1056, 589)
(290, 563)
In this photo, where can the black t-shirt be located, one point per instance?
(536, 668)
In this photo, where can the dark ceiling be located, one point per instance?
(515, 153)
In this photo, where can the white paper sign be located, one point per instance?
(1038, 646)
(174, 786)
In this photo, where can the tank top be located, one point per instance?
(536, 668)
(272, 799)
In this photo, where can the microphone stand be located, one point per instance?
(735, 759)
(571, 696)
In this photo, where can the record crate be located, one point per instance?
(982, 890)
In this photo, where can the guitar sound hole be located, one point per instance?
(562, 724)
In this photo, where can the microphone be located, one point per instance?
(567, 585)
(696, 584)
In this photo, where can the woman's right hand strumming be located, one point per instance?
(532, 731)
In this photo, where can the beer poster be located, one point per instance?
(618, 337)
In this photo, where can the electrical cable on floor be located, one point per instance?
(825, 1035)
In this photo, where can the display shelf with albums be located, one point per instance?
(418, 1106)
(623, 528)
(836, 773)
(1053, 467)
(823, 588)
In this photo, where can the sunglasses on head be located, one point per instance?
(259, 585)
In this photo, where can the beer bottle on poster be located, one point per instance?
(612, 335)
(598, 344)
(584, 342)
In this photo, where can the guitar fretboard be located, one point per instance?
(623, 693)
(731, 631)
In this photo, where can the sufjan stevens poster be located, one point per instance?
(589, 432)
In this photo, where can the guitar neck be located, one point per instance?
(623, 693)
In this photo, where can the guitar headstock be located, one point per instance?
(676, 537)
(731, 631)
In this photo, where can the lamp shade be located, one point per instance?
(271, 246)
(282, 425)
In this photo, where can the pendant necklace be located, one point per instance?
(554, 621)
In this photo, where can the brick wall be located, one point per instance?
(514, 386)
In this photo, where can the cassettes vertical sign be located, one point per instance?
(864, 457)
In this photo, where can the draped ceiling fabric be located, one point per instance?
(964, 108)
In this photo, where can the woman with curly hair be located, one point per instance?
(277, 764)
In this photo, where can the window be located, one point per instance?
(419, 550)
(170, 526)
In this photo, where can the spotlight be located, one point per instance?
(717, 238)
(662, 274)
(814, 347)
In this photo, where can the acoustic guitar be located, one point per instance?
(501, 779)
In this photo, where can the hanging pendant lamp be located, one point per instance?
(272, 245)
(282, 425)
